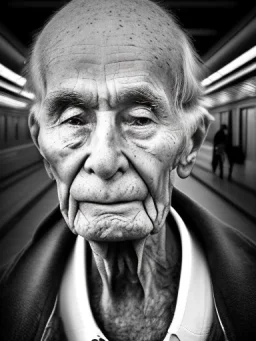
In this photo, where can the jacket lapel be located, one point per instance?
(29, 287)
(231, 258)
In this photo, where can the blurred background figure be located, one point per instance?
(219, 149)
(232, 155)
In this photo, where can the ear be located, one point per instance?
(48, 169)
(34, 131)
(34, 127)
(194, 142)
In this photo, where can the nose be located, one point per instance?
(105, 158)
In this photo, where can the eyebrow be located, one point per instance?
(58, 101)
(143, 95)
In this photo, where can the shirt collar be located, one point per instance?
(194, 308)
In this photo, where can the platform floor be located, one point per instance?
(218, 206)
(242, 175)
(240, 192)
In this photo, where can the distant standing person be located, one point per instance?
(232, 154)
(219, 149)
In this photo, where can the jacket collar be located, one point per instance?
(231, 257)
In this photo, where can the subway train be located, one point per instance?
(17, 151)
(235, 106)
(13, 125)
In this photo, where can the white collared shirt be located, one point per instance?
(194, 310)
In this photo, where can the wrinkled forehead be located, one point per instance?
(109, 32)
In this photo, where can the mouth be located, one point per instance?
(114, 207)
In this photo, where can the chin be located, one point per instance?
(113, 228)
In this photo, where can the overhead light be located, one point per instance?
(11, 102)
(16, 90)
(224, 97)
(208, 102)
(235, 64)
(12, 76)
(231, 78)
(249, 88)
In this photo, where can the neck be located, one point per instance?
(143, 267)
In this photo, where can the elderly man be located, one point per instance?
(118, 110)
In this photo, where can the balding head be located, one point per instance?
(104, 28)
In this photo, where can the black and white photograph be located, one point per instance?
(127, 170)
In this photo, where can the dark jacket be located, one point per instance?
(29, 287)
(220, 138)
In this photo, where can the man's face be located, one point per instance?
(110, 136)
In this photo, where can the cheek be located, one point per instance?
(61, 150)
(154, 160)
(49, 146)
(155, 156)
(168, 148)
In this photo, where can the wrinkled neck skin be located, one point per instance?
(144, 268)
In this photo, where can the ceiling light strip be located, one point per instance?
(16, 90)
(12, 76)
(11, 102)
(232, 66)
(231, 78)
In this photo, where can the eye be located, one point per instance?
(75, 121)
(140, 121)
(139, 117)
(75, 117)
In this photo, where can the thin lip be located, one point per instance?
(104, 203)
(112, 208)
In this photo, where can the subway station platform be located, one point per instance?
(240, 191)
